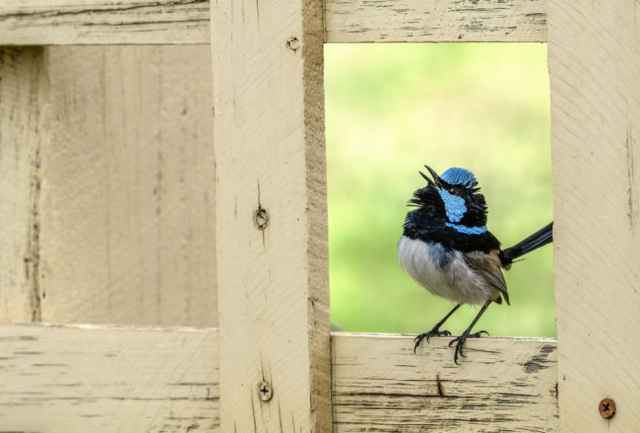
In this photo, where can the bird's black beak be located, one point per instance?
(436, 179)
(426, 178)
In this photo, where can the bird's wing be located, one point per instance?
(488, 266)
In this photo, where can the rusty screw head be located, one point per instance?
(261, 218)
(607, 408)
(265, 391)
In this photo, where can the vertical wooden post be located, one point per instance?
(594, 58)
(271, 236)
(23, 103)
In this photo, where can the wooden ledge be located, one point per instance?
(92, 378)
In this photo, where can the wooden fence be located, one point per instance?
(202, 267)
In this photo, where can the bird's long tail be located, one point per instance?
(540, 238)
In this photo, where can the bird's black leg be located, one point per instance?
(435, 331)
(459, 341)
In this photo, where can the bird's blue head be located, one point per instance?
(459, 176)
(452, 199)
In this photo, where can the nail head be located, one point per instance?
(293, 44)
(265, 391)
(607, 408)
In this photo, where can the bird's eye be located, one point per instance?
(456, 190)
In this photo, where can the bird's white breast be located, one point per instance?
(442, 272)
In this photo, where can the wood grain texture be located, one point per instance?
(128, 195)
(594, 63)
(105, 379)
(269, 136)
(436, 21)
(62, 22)
(23, 130)
(504, 385)
(88, 379)
(83, 22)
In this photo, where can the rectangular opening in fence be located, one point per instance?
(391, 109)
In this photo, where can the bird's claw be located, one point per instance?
(427, 335)
(459, 342)
(474, 335)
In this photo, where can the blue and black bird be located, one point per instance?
(446, 247)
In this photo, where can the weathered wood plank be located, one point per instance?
(62, 22)
(271, 236)
(128, 194)
(90, 379)
(103, 379)
(82, 22)
(436, 21)
(23, 129)
(504, 385)
(594, 61)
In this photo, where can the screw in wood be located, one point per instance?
(293, 43)
(261, 218)
(607, 408)
(265, 391)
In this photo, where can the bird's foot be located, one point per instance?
(435, 332)
(459, 342)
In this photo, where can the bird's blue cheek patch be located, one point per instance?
(453, 205)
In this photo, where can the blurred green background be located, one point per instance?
(393, 108)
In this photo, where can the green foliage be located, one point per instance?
(393, 108)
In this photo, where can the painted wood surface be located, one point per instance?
(504, 385)
(436, 21)
(107, 379)
(594, 63)
(23, 130)
(64, 22)
(104, 379)
(271, 236)
(127, 206)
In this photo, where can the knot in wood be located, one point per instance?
(607, 408)
(261, 218)
(265, 391)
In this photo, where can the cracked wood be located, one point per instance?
(62, 22)
(436, 21)
(270, 161)
(23, 130)
(99, 378)
(105, 379)
(504, 385)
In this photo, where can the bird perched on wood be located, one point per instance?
(446, 248)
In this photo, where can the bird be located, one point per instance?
(446, 247)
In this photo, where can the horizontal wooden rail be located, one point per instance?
(105, 379)
(100, 22)
(108, 379)
(436, 21)
(504, 385)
